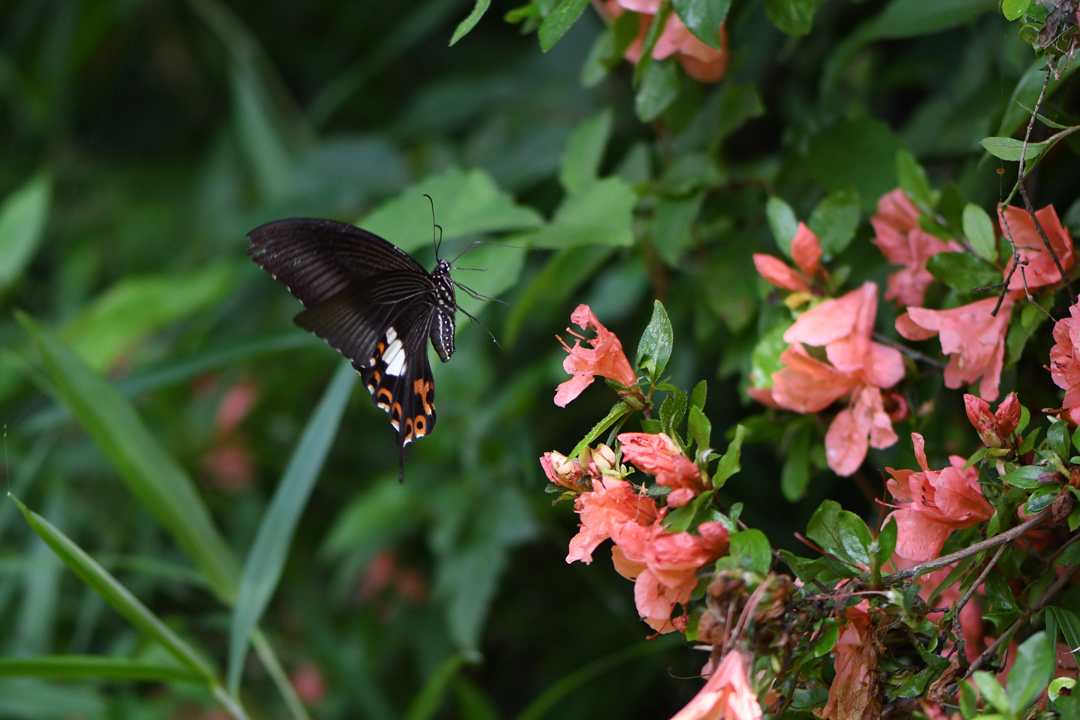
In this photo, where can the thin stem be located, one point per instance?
(957, 633)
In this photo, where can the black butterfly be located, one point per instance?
(373, 303)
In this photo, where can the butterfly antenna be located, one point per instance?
(462, 310)
(475, 295)
(436, 243)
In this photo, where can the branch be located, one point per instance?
(957, 632)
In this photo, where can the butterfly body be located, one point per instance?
(371, 302)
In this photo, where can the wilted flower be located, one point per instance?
(903, 242)
(562, 471)
(1040, 269)
(855, 692)
(726, 696)
(970, 335)
(604, 356)
(658, 455)
(933, 503)
(993, 428)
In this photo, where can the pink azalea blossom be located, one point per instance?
(700, 61)
(1040, 270)
(1064, 364)
(974, 340)
(993, 428)
(903, 242)
(805, 251)
(726, 696)
(857, 369)
(562, 471)
(658, 455)
(933, 503)
(778, 274)
(607, 510)
(604, 357)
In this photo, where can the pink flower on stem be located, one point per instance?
(726, 696)
(605, 511)
(658, 455)
(933, 503)
(858, 369)
(1040, 269)
(974, 340)
(903, 242)
(701, 62)
(604, 356)
(806, 252)
(993, 428)
(1065, 361)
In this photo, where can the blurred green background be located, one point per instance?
(140, 142)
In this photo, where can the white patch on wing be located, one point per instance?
(394, 355)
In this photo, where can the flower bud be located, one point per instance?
(978, 412)
(1008, 415)
(561, 470)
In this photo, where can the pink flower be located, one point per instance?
(993, 428)
(1064, 364)
(604, 357)
(933, 503)
(700, 61)
(1040, 270)
(726, 696)
(805, 251)
(974, 340)
(903, 242)
(658, 455)
(562, 471)
(605, 511)
(855, 691)
(858, 369)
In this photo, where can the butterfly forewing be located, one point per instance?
(371, 302)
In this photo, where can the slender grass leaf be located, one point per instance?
(151, 474)
(262, 571)
(261, 135)
(84, 667)
(118, 596)
(430, 698)
(23, 216)
(470, 22)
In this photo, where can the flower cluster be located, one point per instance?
(701, 62)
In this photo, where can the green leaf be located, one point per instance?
(914, 182)
(94, 667)
(116, 595)
(121, 317)
(466, 203)
(616, 412)
(260, 133)
(1031, 673)
(703, 18)
(963, 272)
(654, 348)
(751, 551)
(657, 90)
(765, 357)
(672, 223)
(835, 220)
(697, 398)
(968, 701)
(782, 222)
(823, 527)
(1058, 436)
(795, 475)
(470, 22)
(729, 463)
(979, 231)
(559, 21)
(1025, 476)
(1013, 9)
(826, 642)
(23, 217)
(794, 17)
(991, 690)
(885, 543)
(153, 476)
(262, 571)
(430, 698)
(700, 429)
(1067, 621)
(672, 412)
(600, 213)
(584, 152)
(1041, 499)
(738, 104)
(1011, 149)
(855, 537)
(857, 153)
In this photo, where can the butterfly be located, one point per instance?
(371, 302)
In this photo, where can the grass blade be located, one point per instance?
(97, 578)
(267, 558)
(152, 475)
(92, 667)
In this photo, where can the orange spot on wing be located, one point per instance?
(422, 388)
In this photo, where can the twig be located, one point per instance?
(957, 633)
(989, 652)
(914, 354)
(978, 547)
